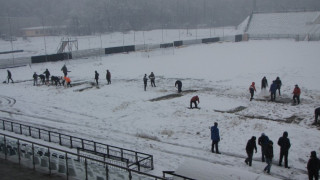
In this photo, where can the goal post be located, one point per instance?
(149, 50)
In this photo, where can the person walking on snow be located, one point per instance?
(108, 76)
(215, 137)
(145, 81)
(264, 83)
(35, 79)
(269, 156)
(296, 94)
(194, 100)
(263, 142)
(179, 84)
(47, 74)
(313, 166)
(96, 77)
(284, 143)
(316, 115)
(9, 76)
(152, 79)
(273, 90)
(279, 84)
(64, 70)
(252, 89)
(251, 145)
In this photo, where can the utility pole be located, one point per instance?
(44, 39)
(254, 7)
(11, 38)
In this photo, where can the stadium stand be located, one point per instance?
(296, 25)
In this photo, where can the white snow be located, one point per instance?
(121, 114)
(34, 46)
(292, 23)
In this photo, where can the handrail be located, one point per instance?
(172, 173)
(75, 142)
(83, 158)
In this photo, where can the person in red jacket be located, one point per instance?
(252, 89)
(194, 100)
(68, 81)
(296, 94)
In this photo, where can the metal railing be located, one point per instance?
(137, 160)
(12, 62)
(297, 37)
(59, 162)
(173, 175)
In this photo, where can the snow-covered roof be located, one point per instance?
(284, 23)
(43, 27)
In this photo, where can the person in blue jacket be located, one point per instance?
(273, 90)
(215, 137)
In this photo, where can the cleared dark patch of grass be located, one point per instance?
(293, 119)
(146, 136)
(278, 100)
(166, 97)
(171, 96)
(237, 109)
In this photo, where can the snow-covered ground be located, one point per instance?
(34, 46)
(122, 114)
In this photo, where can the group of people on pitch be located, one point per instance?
(276, 85)
(267, 153)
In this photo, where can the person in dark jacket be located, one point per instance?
(194, 100)
(252, 89)
(42, 78)
(64, 70)
(152, 79)
(279, 84)
(263, 142)
(313, 166)
(55, 80)
(264, 83)
(47, 75)
(145, 81)
(296, 94)
(316, 115)
(251, 145)
(269, 156)
(215, 137)
(273, 90)
(108, 77)
(96, 77)
(179, 84)
(35, 79)
(9, 76)
(284, 143)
